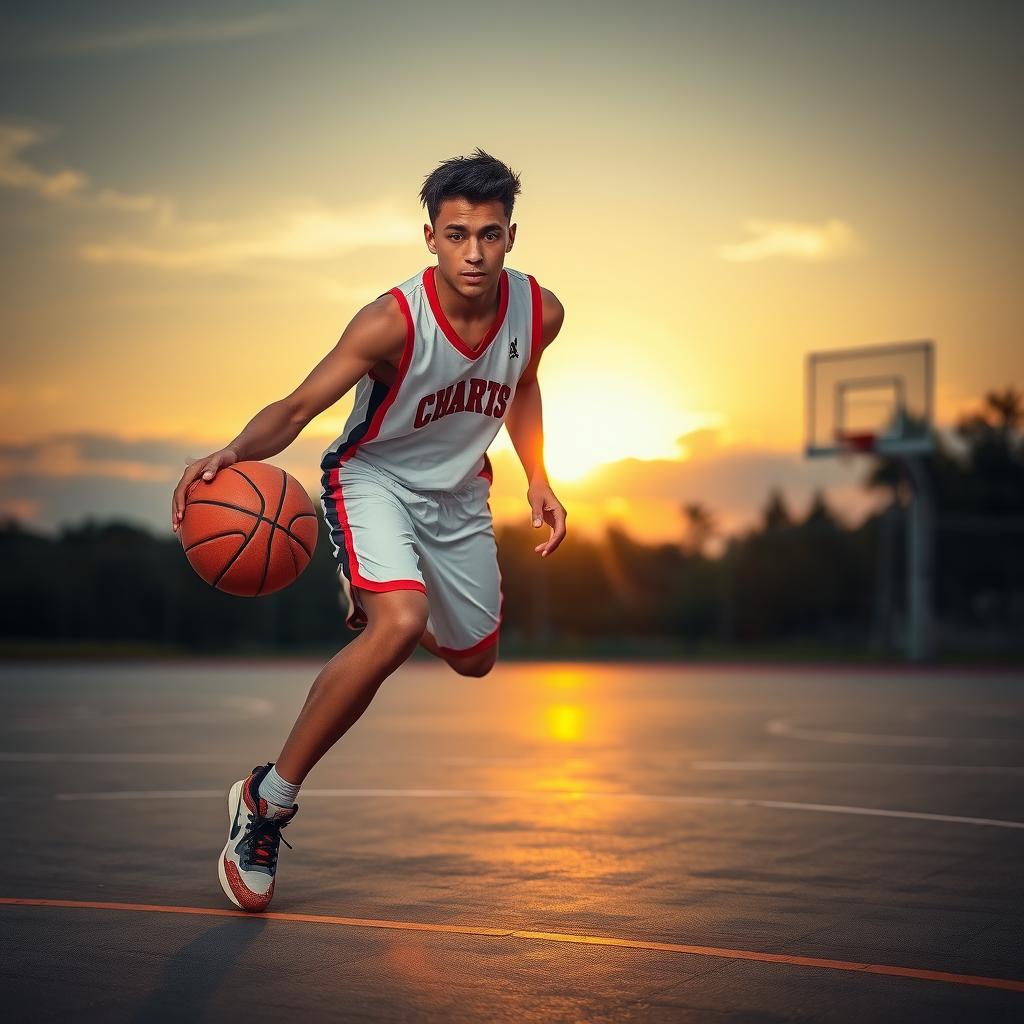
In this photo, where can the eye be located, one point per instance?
(453, 236)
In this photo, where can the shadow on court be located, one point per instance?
(551, 842)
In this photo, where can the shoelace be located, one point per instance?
(262, 835)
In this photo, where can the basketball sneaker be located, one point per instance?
(248, 863)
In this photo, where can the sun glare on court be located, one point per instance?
(564, 722)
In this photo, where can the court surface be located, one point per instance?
(552, 842)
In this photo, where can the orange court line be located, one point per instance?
(919, 974)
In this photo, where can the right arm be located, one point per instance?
(375, 334)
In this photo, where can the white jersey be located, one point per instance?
(431, 428)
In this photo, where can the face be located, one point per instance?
(470, 243)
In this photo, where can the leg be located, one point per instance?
(478, 664)
(349, 681)
(464, 584)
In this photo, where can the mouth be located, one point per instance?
(474, 276)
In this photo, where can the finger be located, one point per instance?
(550, 517)
(181, 491)
(552, 546)
(557, 533)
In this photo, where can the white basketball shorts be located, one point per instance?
(388, 537)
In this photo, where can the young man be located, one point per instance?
(439, 363)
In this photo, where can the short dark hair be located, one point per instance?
(478, 178)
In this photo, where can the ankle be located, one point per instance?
(278, 790)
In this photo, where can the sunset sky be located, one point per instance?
(196, 198)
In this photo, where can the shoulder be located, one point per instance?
(381, 328)
(553, 314)
(552, 311)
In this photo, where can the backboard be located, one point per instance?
(877, 398)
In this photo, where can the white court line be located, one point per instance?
(554, 794)
(836, 766)
(785, 728)
(85, 716)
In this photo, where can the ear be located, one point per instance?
(428, 237)
(511, 237)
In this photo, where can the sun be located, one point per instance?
(600, 417)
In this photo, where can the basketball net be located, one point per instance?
(850, 444)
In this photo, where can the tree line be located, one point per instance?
(789, 580)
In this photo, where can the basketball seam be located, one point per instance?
(231, 561)
(295, 564)
(259, 493)
(245, 544)
(295, 537)
(270, 539)
(261, 518)
(216, 536)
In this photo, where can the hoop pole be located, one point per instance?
(920, 561)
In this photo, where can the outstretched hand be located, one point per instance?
(546, 508)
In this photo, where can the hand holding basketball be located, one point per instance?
(207, 468)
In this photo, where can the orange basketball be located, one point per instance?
(250, 530)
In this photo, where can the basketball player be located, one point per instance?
(439, 362)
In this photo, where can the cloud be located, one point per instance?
(128, 38)
(835, 239)
(63, 478)
(103, 456)
(91, 455)
(264, 248)
(25, 510)
(67, 186)
(313, 234)
(699, 442)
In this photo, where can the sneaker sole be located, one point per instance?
(233, 797)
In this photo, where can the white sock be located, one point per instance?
(277, 791)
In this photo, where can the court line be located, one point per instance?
(88, 716)
(577, 794)
(891, 970)
(788, 730)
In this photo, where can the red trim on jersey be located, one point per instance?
(449, 331)
(487, 471)
(403, 367)
(392, 585)
(537, 332)
(357, 579)
(480, 645)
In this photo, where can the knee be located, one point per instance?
(475, 664)
(399, 616)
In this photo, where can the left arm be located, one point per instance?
(524, 423)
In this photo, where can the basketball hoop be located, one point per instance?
(852, 442)
(879, 400)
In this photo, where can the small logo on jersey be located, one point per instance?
(513, 349)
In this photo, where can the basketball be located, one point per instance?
(250, 530)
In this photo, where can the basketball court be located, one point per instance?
(552, 842)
